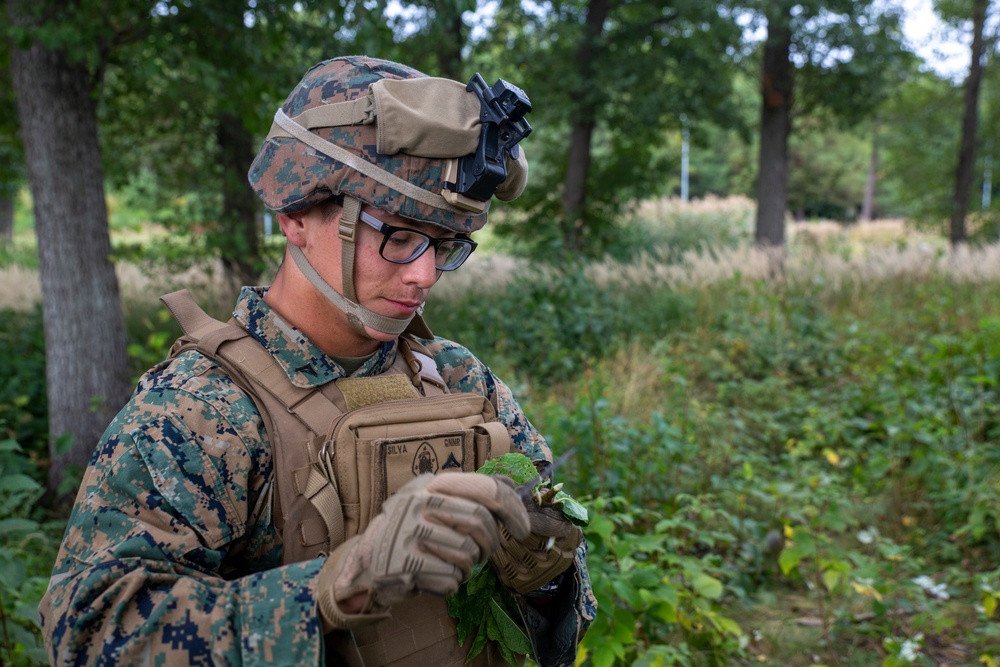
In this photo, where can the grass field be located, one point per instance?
(787, 465)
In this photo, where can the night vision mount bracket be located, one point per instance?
(478, 175)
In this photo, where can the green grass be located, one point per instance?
(794, 417)
(771, 467)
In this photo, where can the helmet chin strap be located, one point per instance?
(358, 316)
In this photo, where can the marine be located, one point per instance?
(297, 485)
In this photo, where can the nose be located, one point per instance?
(421, 271)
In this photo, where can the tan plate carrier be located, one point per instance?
(340, 450)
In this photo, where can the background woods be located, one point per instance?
(793, 466)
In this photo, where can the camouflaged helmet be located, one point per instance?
(376, 132)
(349, 127)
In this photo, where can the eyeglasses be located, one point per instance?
(402, 246)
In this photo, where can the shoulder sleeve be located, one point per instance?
(175, 494)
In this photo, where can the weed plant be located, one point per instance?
(832, 446)
(795, 472)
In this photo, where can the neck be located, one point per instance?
(301, 305)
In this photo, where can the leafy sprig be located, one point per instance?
(486, 611)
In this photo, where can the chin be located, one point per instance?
(380, 336)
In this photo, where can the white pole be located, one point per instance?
(685, 159)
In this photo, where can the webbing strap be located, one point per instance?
(347, 231)
(194, 321)
(359, 313)
(322, 492)
(247, 358)
(364, 167)
(499, 438)
(355, 112)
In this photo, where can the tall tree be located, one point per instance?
(777, 83)
(584, 121)
(54, 79)
(967, 149)
(828, 55)
(220, 67)
(608, 80)
(212, 64)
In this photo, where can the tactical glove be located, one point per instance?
(427, 538)
(527, 564)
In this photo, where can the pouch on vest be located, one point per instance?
(373, 451)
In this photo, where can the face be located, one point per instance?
(388, 289)
(393, 290)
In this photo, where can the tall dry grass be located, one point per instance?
(835, 267)
(837, 253)
(138, 285)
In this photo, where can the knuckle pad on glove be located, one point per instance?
(496, 494)
(527, 564)
(478, 530)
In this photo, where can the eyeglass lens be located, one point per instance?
(401, 245)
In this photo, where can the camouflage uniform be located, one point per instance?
(170, 555)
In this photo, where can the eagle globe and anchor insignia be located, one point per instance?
(426, 458)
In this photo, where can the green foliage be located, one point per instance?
(28, 545)
(919, 175)
(659, 599)
(745, 448)
(642, 49)
(827, 172)
(486, 611)
(23, 402)
(554, 323)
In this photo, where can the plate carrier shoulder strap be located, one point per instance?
(308, 512)
(313, 513)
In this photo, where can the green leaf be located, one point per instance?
(18, 483)
(478, 644)
(705, 585)
(9, 446)
(604, 655)
(728, 626)
(831, 578)
(789, 559)
(511, 634)
(515, 465)
(17, 525)
(666, 612)
(625, 624)
(571, 509)
(602, 527)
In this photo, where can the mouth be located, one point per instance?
(404, 306)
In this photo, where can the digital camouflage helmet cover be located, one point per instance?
(429, 149)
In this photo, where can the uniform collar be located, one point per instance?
(305, 364)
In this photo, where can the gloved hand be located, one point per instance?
(527, 564)
(428, 537)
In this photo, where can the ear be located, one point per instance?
(293, 227)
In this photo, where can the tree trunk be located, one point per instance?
(6, 218)
(578, 167)
(967, 150)
(87, 369)
(775, 127)
(239, 241)
(868, 206)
